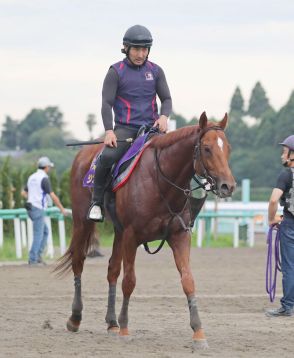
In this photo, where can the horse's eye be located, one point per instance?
(207, 150)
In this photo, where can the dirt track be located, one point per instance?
(34, 307)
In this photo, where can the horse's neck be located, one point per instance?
(176, 161)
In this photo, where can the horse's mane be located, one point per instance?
(163, 141)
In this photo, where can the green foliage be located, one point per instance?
(180, 120)
(41, 128)
(45, 138)
(258, 103)
(9, 136)
(284, 123)
(237, 104)
(6, 185)
(64, 186)
(17, 188)
(54, 181)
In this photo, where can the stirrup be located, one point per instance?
(95, 213)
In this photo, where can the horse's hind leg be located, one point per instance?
(81, 238)
(180, 245)
(114, 268)
(129, 280)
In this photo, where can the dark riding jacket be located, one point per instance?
(135, 101)
(131, 92)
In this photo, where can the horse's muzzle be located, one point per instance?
(225, 189)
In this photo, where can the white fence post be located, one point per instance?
(200, 232)
(30, 233)
(50, 247)
(251, 232)
(1, 232)
(61, 229)
(23, 233)
(17, 236)
(236, 233)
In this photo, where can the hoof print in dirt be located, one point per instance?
(47, 325)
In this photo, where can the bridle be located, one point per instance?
(209, 183)
(204, 181)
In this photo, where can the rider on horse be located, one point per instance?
(130, 88)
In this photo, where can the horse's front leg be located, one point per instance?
(114, 268)
(180, 244)
(129, 280)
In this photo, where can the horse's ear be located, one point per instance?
(203, 121)
(223, 123)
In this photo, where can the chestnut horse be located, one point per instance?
(154, 199)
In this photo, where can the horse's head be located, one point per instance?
(212, 153)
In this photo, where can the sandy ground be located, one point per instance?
(34, 307)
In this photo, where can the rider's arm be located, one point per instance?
(109, 89)
(164, 94)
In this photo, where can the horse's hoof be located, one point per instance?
(199, 340)
(72, 326)
(124, 332)
(200, 345)
(113, 331)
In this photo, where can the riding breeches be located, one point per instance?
(107, 158)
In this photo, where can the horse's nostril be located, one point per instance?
(224, 188)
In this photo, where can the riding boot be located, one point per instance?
(96, 211)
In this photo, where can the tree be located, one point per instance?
(284, 123)
(17, 188)
(45, 138)
(237, 105)
(6, 185)
(180, 120)
(34, 121)
(54, 117)
(64, 186)
(10, 133)
(258, 103)
(91, 122)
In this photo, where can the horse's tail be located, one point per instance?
(76, 253)
(83, 229)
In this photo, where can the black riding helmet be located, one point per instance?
(137, 36)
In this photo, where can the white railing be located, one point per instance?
(23, 230)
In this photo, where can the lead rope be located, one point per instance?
(271, 277)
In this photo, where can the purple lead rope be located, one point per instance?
(270, 280)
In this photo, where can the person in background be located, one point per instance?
(284, 192)
(130, 89)
(37, 192)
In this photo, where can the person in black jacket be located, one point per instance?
(284, 192)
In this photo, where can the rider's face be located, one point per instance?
(138, 55)
(284, 156)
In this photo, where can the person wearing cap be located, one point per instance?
(284, 192)
(130, 89)
(36, 191)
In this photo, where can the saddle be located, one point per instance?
(122, 170)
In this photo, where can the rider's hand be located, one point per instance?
(110, 139)
(161, 122)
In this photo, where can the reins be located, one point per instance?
(208, 185)
(271, 276)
